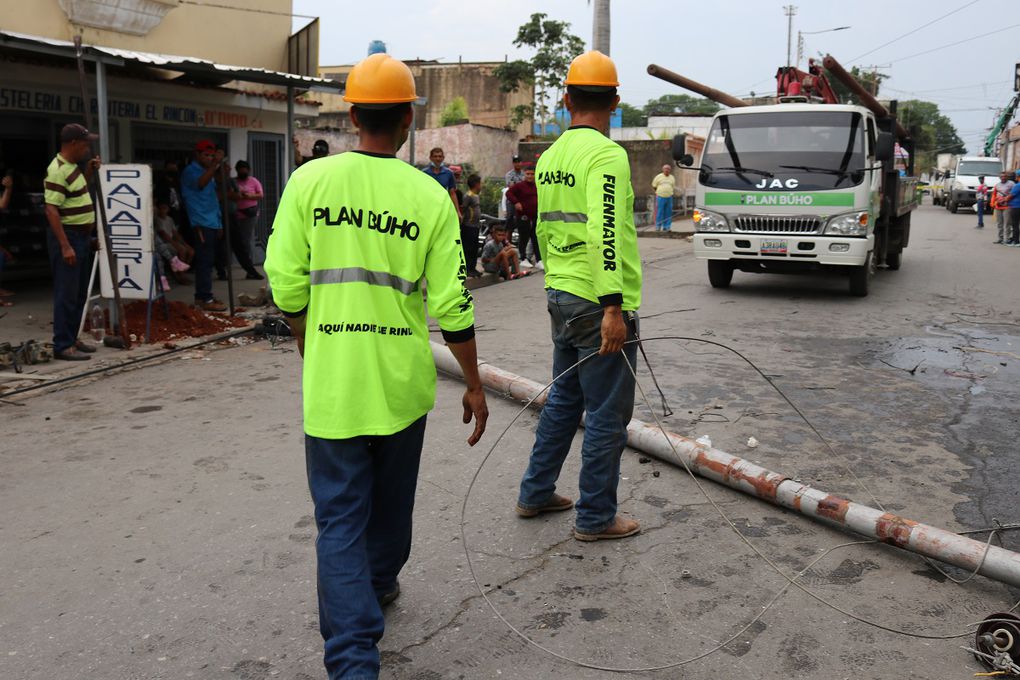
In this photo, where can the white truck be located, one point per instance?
(960, 185)
(798, 185)
(944, 165)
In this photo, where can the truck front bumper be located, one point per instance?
(964, 198)
(820, 250)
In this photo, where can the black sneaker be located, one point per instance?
(388, 598)
(254, 276)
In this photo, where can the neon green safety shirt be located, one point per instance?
(586, 219)
(353, 237)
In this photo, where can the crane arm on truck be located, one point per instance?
(1000, 124)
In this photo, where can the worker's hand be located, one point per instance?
(520, 208)
(7, 182)
(94, 163)
(474, 405)
(614, 330)
(67, 252)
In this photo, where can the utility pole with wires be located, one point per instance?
(875, 75)
(789, 10)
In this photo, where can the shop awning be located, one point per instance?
(191, 68)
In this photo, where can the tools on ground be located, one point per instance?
(26, 354)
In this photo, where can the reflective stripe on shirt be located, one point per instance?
(319, 277)
(558, 216)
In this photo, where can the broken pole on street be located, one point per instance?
(737, 473)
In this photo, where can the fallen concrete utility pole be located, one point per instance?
(998, 564)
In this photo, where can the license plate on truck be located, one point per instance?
(773, 247)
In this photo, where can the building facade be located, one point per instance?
(159, 77)
(439, 84)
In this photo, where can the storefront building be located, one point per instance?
(148, 108)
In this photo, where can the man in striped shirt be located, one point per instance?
(72, 220)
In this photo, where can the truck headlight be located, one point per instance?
(850, 224)
(958, 186)
(709, 221)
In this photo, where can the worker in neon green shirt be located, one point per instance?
(593, 284)
(353, 236)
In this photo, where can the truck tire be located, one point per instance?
(860, 277)
(953, 205)
(893, 260)
(720, 273)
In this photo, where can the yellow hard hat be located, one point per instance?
(592, 69)
(380, 79)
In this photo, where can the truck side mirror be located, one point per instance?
(680, 154)
(884, 147)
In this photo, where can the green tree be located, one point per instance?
(932, 131)
(633, 116)
(554, 47)
(455, 112)
(680, 103)
(869, 80)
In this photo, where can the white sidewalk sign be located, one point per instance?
(127, 197)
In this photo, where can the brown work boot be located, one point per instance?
(620, 528)
(554, 504)
(212, 305)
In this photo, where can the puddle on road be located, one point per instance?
(978, 369)
(954, 357)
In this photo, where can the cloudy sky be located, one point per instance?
(732, 45)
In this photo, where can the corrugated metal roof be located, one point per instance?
(194, 66)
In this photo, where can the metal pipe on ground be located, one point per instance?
(990, 561)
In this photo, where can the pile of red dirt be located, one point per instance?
(185, 321)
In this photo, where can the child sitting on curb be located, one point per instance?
(500, 257)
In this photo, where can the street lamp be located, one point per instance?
(800, 39)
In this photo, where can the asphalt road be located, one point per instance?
(156, 524)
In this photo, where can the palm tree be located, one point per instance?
(600, 26)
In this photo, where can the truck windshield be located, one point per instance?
(978, 168)
(785, 150)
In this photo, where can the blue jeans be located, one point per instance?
(202, 264)
(363, 491)
(603, 389)
(663, 212)
(70, 286)
(981, 213)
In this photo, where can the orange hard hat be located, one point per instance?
(592, 69)
(380, 79)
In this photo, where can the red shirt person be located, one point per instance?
(523, 196)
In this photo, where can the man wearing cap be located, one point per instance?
(72, 219)
(353, 237)
(320, 149)
(593, 285)
(198, 185)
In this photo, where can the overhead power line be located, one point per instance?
(954, 44)
(911, 32)
(959, 87)
(244, 9)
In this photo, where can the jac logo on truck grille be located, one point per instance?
(766, 183)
